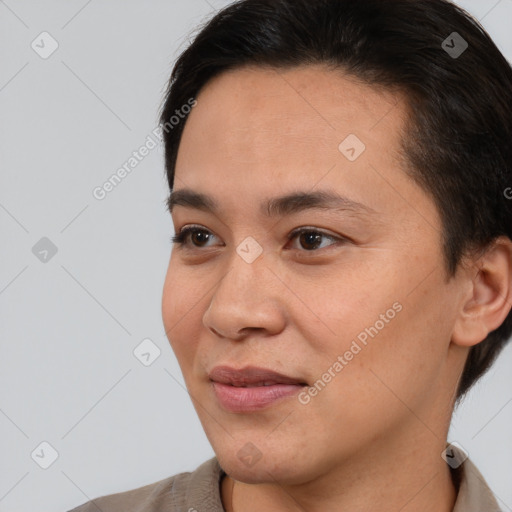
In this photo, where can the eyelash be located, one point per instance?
(180, 238)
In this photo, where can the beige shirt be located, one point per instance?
(199, 491)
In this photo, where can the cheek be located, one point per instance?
(332, 312)
(403, 358)
(392, 336)
(181, 307)
(375, 378)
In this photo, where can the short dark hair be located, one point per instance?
(457, 142)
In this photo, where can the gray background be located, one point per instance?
(69, 326)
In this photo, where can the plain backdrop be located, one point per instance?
(81, 278)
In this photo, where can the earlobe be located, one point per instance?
(489, 299)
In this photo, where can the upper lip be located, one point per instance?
(250, 375)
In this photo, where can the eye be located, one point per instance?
(181, 238)
(312, 236)
(308, 235)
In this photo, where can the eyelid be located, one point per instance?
(297, 231)
(183, 232)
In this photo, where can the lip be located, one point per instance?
(243, 390)
(250, 375)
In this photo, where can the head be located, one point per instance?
(403, 291)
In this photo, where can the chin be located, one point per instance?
(269, 468)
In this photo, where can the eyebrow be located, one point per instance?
(277, 206)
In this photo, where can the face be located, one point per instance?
(357, 306)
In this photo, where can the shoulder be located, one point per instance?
(170, 494)
(474, 494)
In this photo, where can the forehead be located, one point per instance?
(263, 131)
(302, 98)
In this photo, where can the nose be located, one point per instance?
(248, 297)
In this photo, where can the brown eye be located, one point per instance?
(198, 236)
(311, 238)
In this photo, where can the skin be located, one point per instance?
(373, 437)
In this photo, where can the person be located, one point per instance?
(342, 267)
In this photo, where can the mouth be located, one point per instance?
(251, 376)
(252, 388)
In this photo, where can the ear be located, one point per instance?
(488, 300)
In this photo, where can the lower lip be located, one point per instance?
(238, 399)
